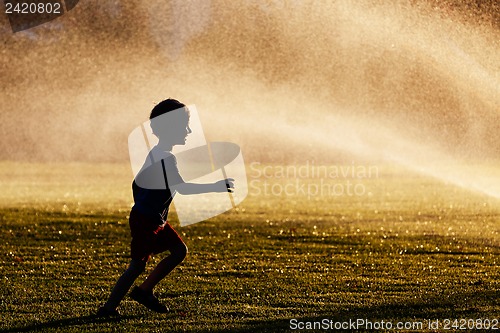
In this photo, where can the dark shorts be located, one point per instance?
(148, 237)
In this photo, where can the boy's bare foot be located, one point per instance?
(103, 312)
(148, 300)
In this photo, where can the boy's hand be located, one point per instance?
(225, 185)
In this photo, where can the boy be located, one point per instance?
(153, 189)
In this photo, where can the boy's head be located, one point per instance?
(166, 106)
(170, 121)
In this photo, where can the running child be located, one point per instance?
(153, 190)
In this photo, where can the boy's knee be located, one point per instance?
(181, 251)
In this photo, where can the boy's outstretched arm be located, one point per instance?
(224, 185)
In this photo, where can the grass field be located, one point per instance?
(408, 249)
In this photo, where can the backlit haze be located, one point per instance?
(399, 82)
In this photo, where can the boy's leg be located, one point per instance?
(177, 254)
(135, 268)
(166, 239)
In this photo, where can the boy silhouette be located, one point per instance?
(153, 190)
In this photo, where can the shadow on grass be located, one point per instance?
(66, 322)
(472, 304)
(456, 306)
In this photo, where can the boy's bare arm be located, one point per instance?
(225, 185)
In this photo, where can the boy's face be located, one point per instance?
(182, 134)
(172, 128)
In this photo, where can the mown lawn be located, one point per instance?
(408, 249)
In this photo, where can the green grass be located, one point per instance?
(409, 249)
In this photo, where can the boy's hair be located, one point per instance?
(166, 106)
